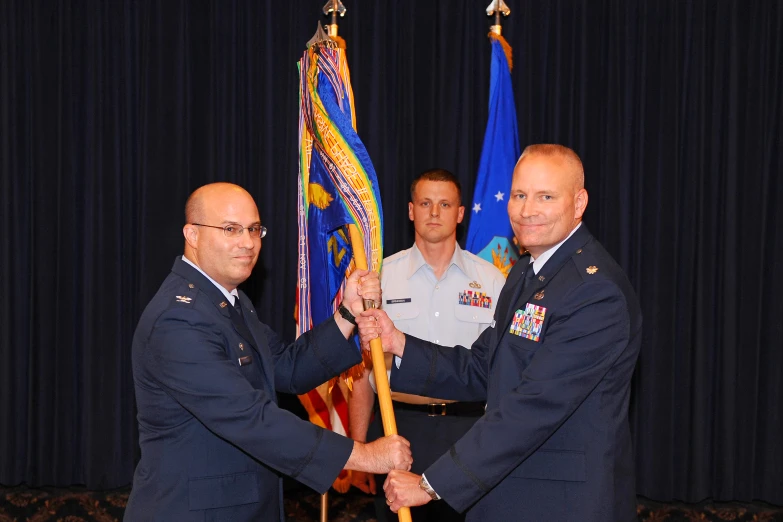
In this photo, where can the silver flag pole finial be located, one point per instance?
(334, 7)
(497, 8)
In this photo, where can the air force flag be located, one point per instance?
(489, 233)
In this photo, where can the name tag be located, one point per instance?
(244, 361)
(398, 301)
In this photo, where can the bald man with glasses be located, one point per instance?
(214, 444)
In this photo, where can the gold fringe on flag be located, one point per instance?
(506, 48)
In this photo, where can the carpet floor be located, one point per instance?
(23, 504)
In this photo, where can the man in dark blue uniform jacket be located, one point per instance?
(213, 441)
(555, 369)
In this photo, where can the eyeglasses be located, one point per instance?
(235, 230)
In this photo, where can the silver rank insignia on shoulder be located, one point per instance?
(184, 299)
(475, 284)
(591, 269)
(539, 296)
(492, 324)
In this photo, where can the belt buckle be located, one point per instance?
(436, 409)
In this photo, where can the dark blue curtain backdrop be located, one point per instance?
(112, 112)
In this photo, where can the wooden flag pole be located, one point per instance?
(325, 507)
(378, 362)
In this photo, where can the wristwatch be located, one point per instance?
(423, 484)
(346, 314)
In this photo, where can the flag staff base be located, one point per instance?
(325, 507)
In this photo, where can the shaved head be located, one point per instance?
(194, 206)
(227, 260)
(569, 159)
(548, 197)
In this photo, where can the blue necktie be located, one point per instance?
(530, 274)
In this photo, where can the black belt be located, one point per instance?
(456, 409)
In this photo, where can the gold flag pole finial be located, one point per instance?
(333, 7)
(497, 8)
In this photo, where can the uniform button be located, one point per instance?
(437, 287)
(437, 314)
(398, 315)
(241, 346)
(437, 341)
(475, 317)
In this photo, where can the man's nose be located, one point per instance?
(526, 209)
(246, 240)
(435, 211)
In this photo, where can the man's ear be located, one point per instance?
(191, 235)
(410, 210)
(580, 202)
(461, 214)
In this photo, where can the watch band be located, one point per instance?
(346, 314)
(425, 485)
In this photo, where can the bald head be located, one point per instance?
(202, 196)
(547, 197)
(226, 258)
(562, 154)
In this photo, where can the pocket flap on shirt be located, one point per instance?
(473, 314)
(553, 465)
(223, 491)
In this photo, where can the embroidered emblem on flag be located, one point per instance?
(472, 298)
(527, 323)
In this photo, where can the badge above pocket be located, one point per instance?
(528, 322)
(475, 298)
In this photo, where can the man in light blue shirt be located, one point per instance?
(439, 292)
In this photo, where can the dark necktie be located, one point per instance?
(530, 274)
(238, 305)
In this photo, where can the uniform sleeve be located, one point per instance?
(581, 346)
(432, 370)
(185, 355)
(314, 358)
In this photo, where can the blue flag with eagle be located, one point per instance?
(489, 234)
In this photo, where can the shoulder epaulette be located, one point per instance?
(402, 254)
(185, 296)
(585, 263)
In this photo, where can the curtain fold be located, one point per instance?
(111, 113)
